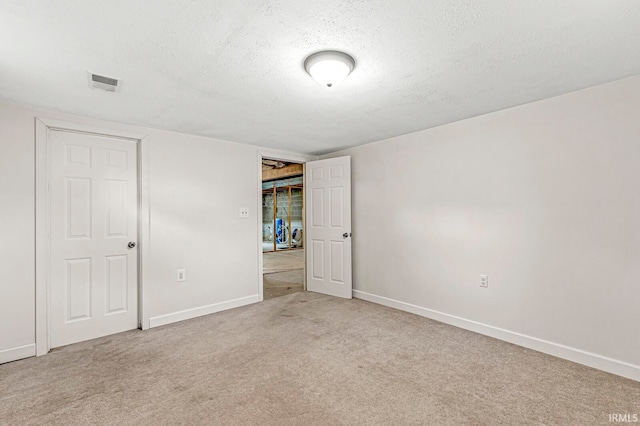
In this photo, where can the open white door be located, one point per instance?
(328, 222)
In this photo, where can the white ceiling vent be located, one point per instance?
(105, 83)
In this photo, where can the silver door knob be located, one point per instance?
(131, 244)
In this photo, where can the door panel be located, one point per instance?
(78, 289)
(116, 208)
(337, 266)
(93, 200)
(329, 226)
(116, 284)
(317, 247)
(78, 204)
(317, 209)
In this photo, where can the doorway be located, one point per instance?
(282, 227)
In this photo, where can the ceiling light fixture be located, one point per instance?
(329, 67)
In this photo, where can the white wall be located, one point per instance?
(17, 234)
(544, 198)
(197, 186)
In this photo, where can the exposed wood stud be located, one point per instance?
(288, 171)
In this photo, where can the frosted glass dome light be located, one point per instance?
(329, 67)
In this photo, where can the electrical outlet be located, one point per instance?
(244, 212)
(484, 280)
(181, 275)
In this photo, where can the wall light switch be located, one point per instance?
(244, 212)
(484, 280)
(182, 275)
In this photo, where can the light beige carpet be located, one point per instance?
(307, 359)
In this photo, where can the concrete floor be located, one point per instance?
(268, 246)
(283, 273)
(282, 261)
(282, 283)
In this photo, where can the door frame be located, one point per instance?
(292, 158)
(42, 216)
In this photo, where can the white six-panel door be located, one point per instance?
(328, 223)
(93, 193)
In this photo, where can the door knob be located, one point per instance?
(131, 244)
(346, 234)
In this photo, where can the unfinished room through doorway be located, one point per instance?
(282, 227)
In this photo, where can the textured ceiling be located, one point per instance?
(232, 69)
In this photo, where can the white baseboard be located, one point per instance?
(202, 310)
(13, 354)
(579, 356)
